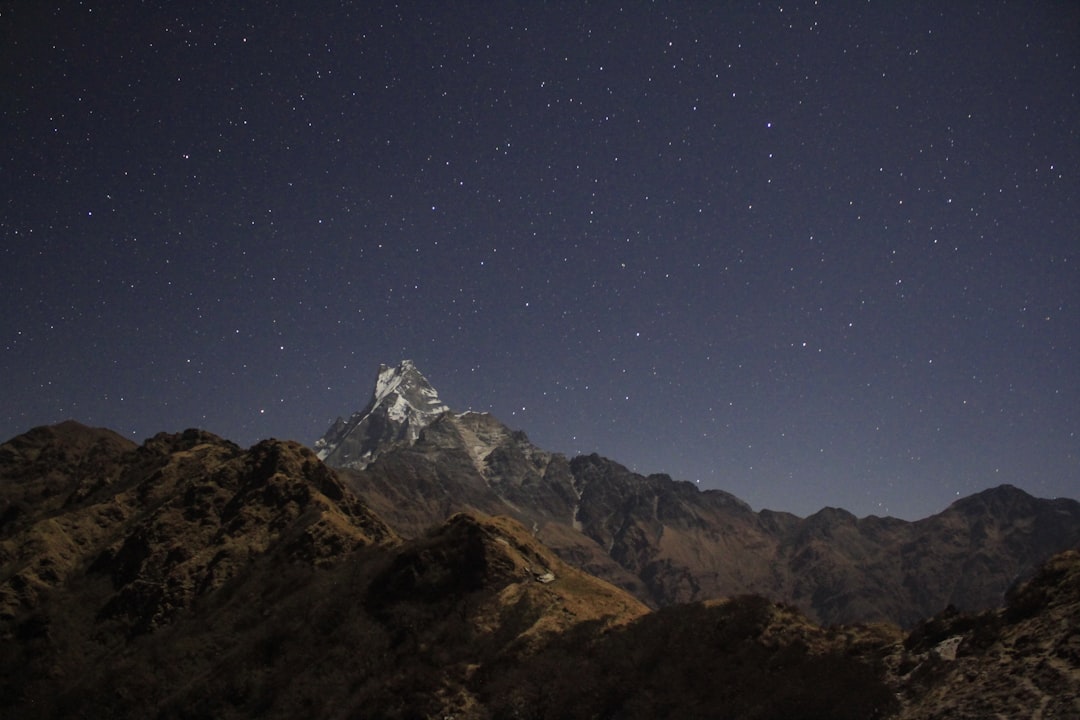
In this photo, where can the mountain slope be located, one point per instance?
(188, 577)
(668, 542)
(1022, 660)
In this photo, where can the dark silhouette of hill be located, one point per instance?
(188, 577)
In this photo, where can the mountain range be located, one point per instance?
(424, 563)
(668, 542)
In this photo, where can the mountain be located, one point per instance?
(163, 523)
(188, 577)
(668, 542)
(402, 404)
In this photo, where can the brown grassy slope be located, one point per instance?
(1019, 661)
(385, 631)
(127, 539)
(739, 658)
(190, 578)
(196, 578)
(56, 489)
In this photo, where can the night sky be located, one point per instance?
(817, 253)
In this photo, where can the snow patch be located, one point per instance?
(398, 410)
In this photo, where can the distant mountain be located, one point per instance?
(668, 542)
(187, 577)
(402, 404)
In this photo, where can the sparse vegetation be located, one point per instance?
(201, 580)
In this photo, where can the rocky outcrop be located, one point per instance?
(1022, 660)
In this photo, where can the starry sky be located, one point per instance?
(811, 253)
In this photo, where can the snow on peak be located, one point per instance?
(408, 391)
(402, 404)
(389, 380)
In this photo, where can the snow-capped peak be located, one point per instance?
(403, 403)
(406, 392)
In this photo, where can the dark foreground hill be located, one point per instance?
(190, 578)
(1020, 661)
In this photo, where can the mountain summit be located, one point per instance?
(402, 405)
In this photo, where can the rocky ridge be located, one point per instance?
(667, 542)
(188, 577)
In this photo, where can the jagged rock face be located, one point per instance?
(402, 405)
(685, 545)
